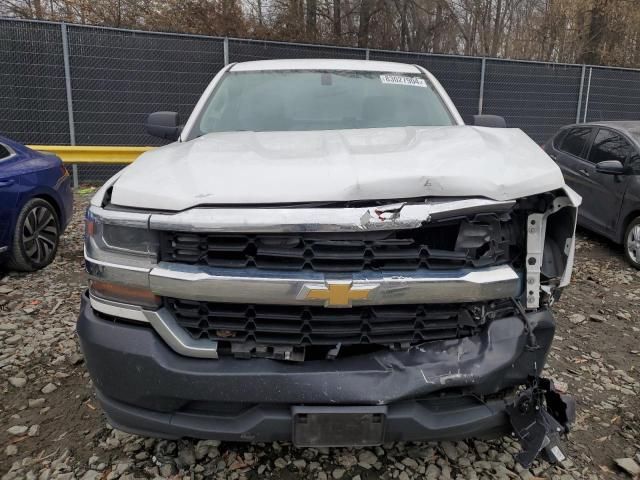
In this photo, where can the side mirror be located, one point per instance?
(493, 121)
(610, 167)
(165, 125)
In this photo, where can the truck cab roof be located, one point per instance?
(325, 64)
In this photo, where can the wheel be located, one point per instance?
(35, 240)
(632, 243)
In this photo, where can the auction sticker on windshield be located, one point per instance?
(402, 80)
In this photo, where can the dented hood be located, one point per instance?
(338, 165)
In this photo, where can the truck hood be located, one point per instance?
(338, 165)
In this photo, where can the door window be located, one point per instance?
(557, 140)
(610, 145)
(577, 141)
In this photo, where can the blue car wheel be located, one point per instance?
(36, 237)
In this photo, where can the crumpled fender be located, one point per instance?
(576, 201)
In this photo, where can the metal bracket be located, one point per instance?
(535, 249)
(536, 232)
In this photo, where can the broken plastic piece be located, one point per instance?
(561, 406)
(334, 352)
(251, 349)
(539, 426)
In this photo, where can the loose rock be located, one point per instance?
(576, 318)
(11, 450)
(18, 382)
(629, 465)
(49, 388)
(17, 430)
(338, 473)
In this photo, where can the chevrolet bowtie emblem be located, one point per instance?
(336, 293)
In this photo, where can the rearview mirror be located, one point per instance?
(610, 167)
(493, 121)
(165, 125)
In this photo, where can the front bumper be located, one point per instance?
(440, 390)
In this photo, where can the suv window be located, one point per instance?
(576, 141)
(610, 145)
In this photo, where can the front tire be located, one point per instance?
(632, 243)
(36, 237)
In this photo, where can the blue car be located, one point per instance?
(36, 203)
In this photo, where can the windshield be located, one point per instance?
(321, 100)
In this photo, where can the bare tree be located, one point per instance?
(337, 20)
(312, 15)
(366, 7)
(590, 31)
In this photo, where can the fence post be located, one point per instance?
(586, 100)
(67, 81)
(481, 96)
(226, 51)
(366, 54)
(584, 68)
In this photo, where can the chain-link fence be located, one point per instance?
(33, 101)
(72, 84)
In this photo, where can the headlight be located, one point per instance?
(120, 238)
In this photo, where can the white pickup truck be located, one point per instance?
(327, 254)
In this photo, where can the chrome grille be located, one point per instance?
(484, 240)
(399, 325)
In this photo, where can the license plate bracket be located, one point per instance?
(338, 426)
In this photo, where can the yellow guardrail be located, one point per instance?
(93, 154)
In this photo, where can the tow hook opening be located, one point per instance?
(540, 415)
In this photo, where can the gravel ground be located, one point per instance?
(51, 426)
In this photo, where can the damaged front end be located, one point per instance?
(431, 316)
(540, 414)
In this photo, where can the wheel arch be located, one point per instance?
(56, 206)
(628, 218)
(49, 196)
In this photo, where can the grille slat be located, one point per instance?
(480, 241)
(310, 325)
